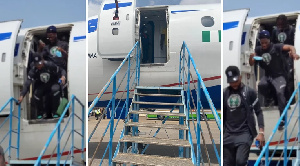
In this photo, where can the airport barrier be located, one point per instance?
(186, 81)
(265, 153)
(57, 130)
(11, 131)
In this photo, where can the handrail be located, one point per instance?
(95, 101)
(265, 150)
(11, 101)
(57, 130)
(200, 85)
(112, 103)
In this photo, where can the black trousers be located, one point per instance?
(236, 155)
(279, 83)
(52, 93)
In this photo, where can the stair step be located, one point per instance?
(156, 141)
(157, 95)
(151, 160)
(157, 87)
(32, 162)
(157, 113)
(158, 125)
(156, 103)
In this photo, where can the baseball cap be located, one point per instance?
(232, 73)
(51, 29)
(264, 34)
(37, 59)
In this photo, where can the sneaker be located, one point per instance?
(269, 103)
(55, 116)
(39, 117)
(281, 126)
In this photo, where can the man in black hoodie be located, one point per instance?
(240, 102)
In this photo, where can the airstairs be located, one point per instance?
(63, 147)
(130, 146)
(283, 155)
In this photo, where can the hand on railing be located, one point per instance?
(19, 100)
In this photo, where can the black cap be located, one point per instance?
(51, 29)
(37, 59)
(232, 73)
(264, 34)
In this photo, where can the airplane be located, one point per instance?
(240, 39)
(110, 40)
(16, 45)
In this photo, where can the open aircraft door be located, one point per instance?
(8, 35)
(233, 25)
(297, 47)
(117, 34)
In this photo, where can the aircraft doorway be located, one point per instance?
(154, 35)
(32, 42)
(269, 24)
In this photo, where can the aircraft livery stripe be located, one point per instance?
(230, 25)
(16, 49)
(55, 155)
(78, 38)
(211, 36)
(92, 25)
(113, 5)
(180, 11)
(280, 142)
(5, 36)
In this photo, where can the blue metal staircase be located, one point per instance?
(266, 156)
(59, 130)
(177, 100)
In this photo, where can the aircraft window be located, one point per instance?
(3, 57)
(230, 45)
(207, 21)
(115, 31)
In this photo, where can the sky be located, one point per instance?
(94, 5)
(42, 12)
(263, 7)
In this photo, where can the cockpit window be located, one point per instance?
(207, 21)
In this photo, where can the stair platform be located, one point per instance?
(158, 125)
(159, 90)
(151, 160)
(156, 141)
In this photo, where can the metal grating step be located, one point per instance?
(157, 95)
(151, 160)
(156, 141)
(156, 103)
(157, 113)
(158, 125)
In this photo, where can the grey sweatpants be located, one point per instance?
(279, 83)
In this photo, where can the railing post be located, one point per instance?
(180, 57)
(188, 94)
(198, 122)
(183, 59)
(10, 128)
(298, 149)
(18, 141)
(58, 146)
(285, 139)
(112, 120)
(73, 115)
(83, 134)
(266, 157)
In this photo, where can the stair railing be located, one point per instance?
(112, 106)
(184, 79)
(60, 133)
(265, 151)
(11, 131)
